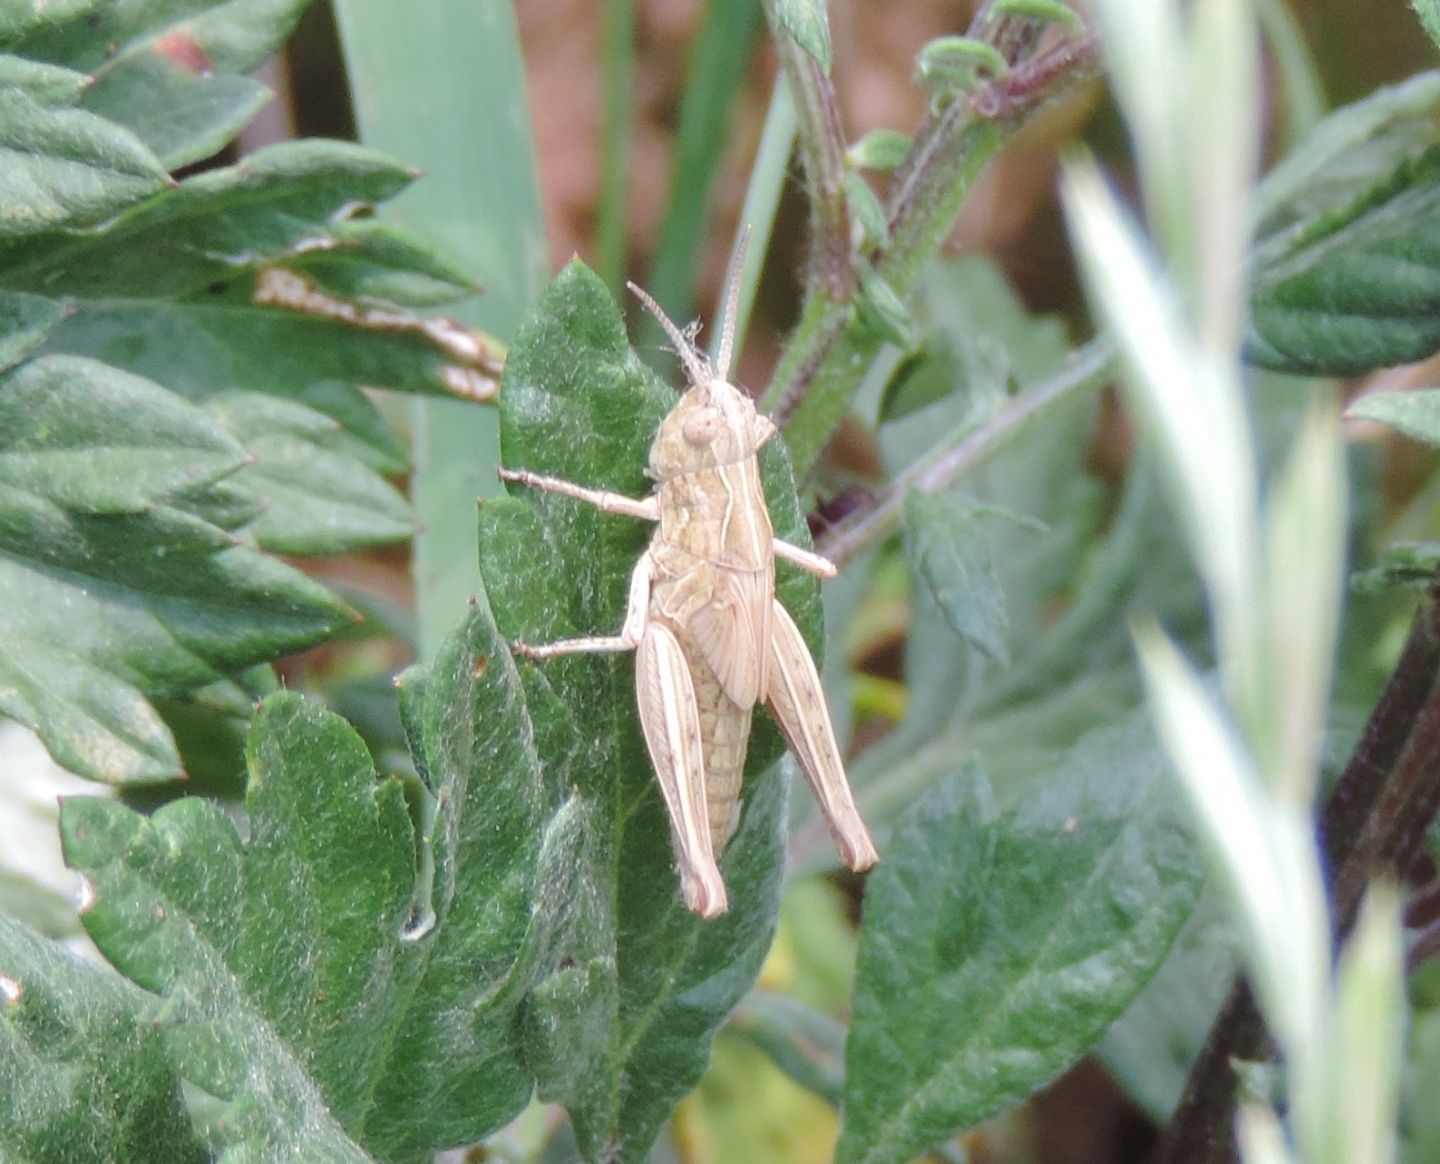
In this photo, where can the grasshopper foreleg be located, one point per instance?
(645, 508)
(630, 634)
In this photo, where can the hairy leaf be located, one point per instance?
(333, 1001)
(808, 23)
(66, 167)
(175, 291)
(115, 590)
(172, 73)
(1346, 268)
(83, 1070)
(997, 947)
(948, 551)
(623, 1031)
(25, 321)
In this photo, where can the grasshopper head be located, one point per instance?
(714, 423)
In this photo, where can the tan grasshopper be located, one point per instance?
(711, 640)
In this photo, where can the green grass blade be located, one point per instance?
(762, 196)
(439, 85)
(615, 146)
(718, 60)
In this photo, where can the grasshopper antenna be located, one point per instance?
(696, 366)
(732, 305)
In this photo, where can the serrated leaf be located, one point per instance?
(25, 322)
(66, 167)
(624, 1032)
(311, 500)
(328, 994)
(82, 1067)
(808, 22)
(375, 261)
(1346, 276)
(173, 292)
(1416, 414)
(996, 947)
(173, 73)
(44, 84)
(948, 552)
(276, 203)
(116, 592)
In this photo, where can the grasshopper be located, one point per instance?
(710, 639)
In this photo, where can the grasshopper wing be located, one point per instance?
(732, 630)
(798, 705)
(671, 722)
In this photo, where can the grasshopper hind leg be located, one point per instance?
(798, 705)
(671, 723)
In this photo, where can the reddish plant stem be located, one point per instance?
(1374, 821)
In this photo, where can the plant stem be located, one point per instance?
(826, 357)
(963, 452)
(1374, 821)
(822, 152)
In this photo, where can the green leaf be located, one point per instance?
(880, 149)
(1403, 564)
(1346, 270)
(275, 204)
(624, 1030)
(957, 62)
(311, 499)
(997, 947)
(173, 73)
(82, 1066)
(277, 956)
(808, 22)
(1416, 414)
(25, 322)
(948, 551)
(499, 886)
(21, 20)
(176, 291)
(43, 84)
(1051, 11)
(1429, 13)
(116, 592)
(66, 167)
(325, 992)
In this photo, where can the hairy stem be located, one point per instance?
(964, 452)
(827, 355)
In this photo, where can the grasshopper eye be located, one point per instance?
(700, 428)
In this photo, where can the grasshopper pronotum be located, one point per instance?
(710, 638)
